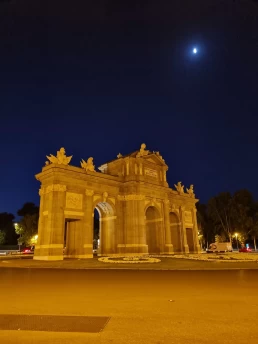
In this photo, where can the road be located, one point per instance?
(206, 307)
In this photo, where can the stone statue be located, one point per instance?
(179, 187)
(88, 166)
(190, 191)
(142, 151)
(119, 155)
(60, 157)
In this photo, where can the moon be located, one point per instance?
(195, 50)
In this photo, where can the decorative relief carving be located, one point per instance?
(88, 166)
(188, 216)
(112, 199)
(53, 187)
(96, 198)
(106, 208)
(73, 200)
(56, 187)
(60, 158)
(105, 196)
(153, 201)
(132, 197)
(151, 173)
(172, 207)
(89, 192)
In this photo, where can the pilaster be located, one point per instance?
(183, 230)
(197, 247)
(51, 229)
(168, 243)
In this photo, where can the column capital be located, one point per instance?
(89, 192)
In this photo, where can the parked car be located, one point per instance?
(28, 250)
(245, 249)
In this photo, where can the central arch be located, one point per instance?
(106, 243)
(153, 230)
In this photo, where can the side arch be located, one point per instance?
(153, 229)
(107, 226)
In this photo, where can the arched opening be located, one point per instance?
(190, 241)
(96, 232)
(153, 229)
(72, 235)
(106, 231)
(175, 233)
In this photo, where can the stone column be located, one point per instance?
(41, 218)
(197, 247)
(141, 225)
(107, 239)
(134, 225)
(87, 239)
(183, 230)
(168, 243)
(51, 228)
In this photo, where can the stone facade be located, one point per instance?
(139, 213)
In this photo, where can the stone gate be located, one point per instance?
(139, 213)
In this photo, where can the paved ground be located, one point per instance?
(206, 307)
(165, 264)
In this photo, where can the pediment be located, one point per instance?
(154, 159)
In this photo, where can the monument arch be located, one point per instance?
(139, 213)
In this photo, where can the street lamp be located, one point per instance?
(236, 234)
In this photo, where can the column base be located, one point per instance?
(48, 257)
(118, 255)
(168, 249)
(186, 249)
(198, 249)
(132, 249)
(79, 256)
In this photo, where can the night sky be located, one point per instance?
(101, 77)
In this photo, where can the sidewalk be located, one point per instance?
(164, 264)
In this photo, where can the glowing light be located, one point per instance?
(195, 50)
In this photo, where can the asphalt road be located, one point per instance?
(206, 307)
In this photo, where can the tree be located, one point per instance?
(243, 207)
(28, 208)
(253, 232)
(232, 214)
(28, 225)
(27, 228)
(205, 225)
(7, 227)
(2, 237)
(222, 213)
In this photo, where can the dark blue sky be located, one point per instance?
(101, 77)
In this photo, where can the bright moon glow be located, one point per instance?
(194, 50)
